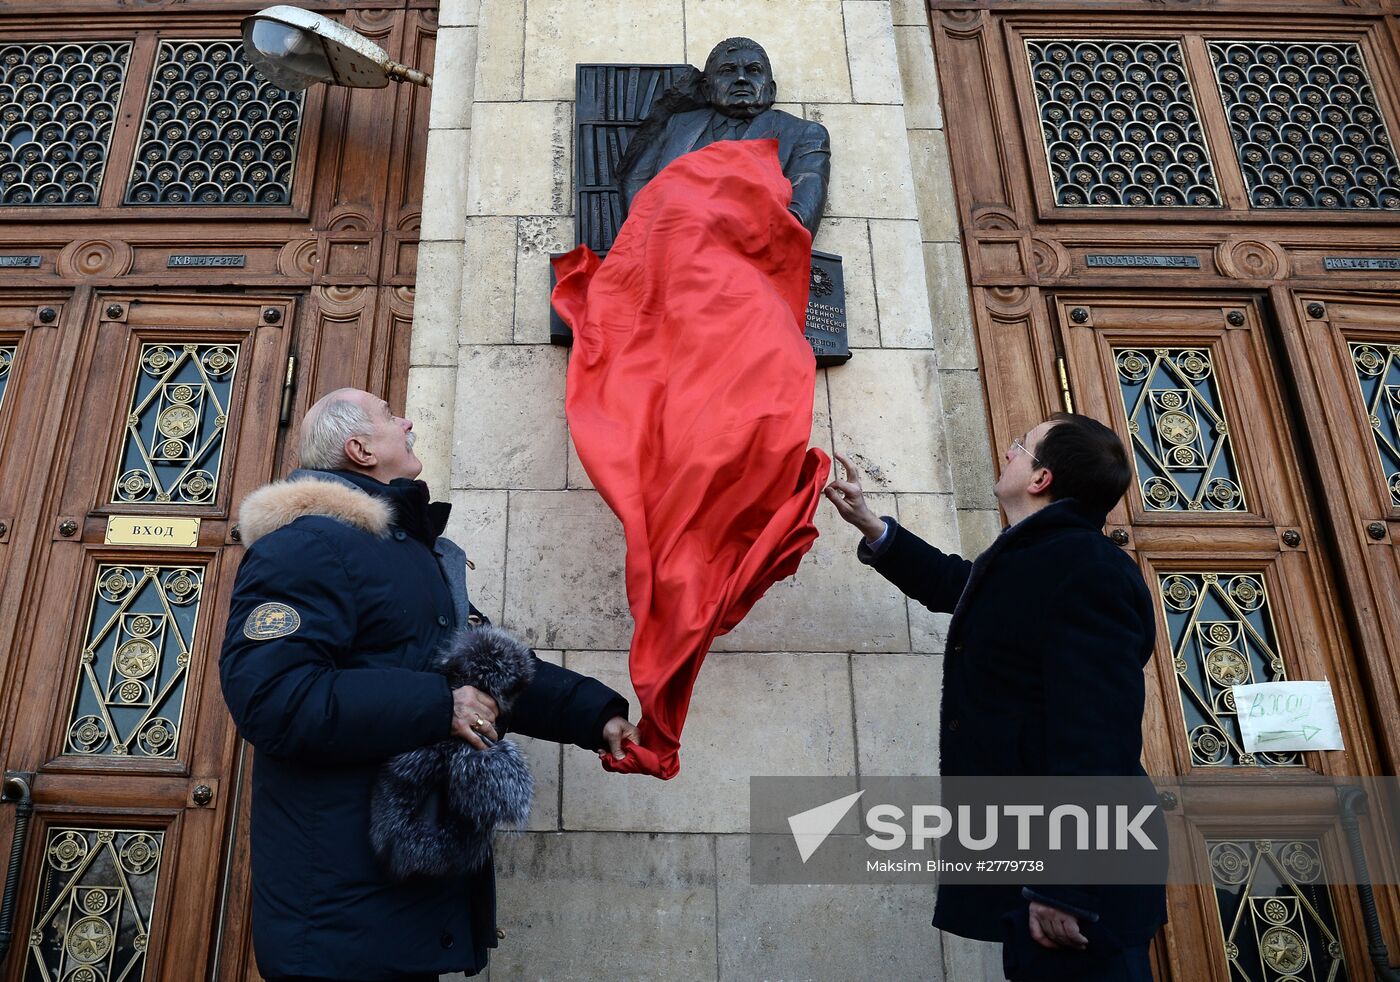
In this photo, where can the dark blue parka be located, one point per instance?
(1043, 675)
(346, 591)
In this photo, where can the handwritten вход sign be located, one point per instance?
(1287, 716)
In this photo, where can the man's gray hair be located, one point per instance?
(323, 445)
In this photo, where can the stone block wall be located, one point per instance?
(833, 672)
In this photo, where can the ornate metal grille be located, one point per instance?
(215, 132)
(7, 360)
(1306, 125)
(1275, 911)
(92, 912)
(1120, 124)
(1222, 634)
(130, 691)
(176, 424)
(1378, 372)
(1180, 437)
(57, 106)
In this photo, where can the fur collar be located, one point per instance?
(274, 505)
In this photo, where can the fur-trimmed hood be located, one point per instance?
(311, 493)
(331, 495)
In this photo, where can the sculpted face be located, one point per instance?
(739, 80)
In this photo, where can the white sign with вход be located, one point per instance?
(1281, 717)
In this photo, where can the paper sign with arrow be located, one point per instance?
(1281, 717)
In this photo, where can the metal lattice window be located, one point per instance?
(1378, 372)
(1221, 634)
(176, 424)
(214, 131)
(1180, 437)
(7, 360)
(1306, 125)
(92, 912)
(1120, 124)
(130, 692)
(1275, 912)
(57, 107)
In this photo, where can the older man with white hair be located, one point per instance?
(346, 593)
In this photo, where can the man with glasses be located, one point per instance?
(1043, 675)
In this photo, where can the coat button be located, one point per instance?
(500, 934)
(400, 535)
(447, 939)
(953, 725)
(442, 620)
(957, 648)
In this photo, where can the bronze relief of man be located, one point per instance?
(734, 101)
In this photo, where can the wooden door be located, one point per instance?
(1346, 351)
(173, 418)
(1219, 519)
(1188, 230)
(188, 256)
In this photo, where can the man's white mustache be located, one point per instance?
(410, 440)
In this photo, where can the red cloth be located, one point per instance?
(690, 402)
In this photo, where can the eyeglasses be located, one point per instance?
(1022, 447)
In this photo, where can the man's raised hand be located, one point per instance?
(849, 499)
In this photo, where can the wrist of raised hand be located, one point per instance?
(872, 528)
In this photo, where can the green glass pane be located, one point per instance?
(92, 912)
(1378, 373)
(1180, 437)
(130, 690)
(1305, 125)
(58, 106)
(1120, 124)
(1275, 912)
(176, 424)
(214, 131)
(7, 361)
(1221, 634)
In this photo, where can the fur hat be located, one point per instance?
(435, 809)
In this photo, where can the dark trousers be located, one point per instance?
(1128, 965)
(319, 978)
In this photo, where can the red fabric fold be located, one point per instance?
(690, 403)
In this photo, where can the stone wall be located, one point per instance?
(834, 672)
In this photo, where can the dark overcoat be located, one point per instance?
(1043, 675)
(346, 591)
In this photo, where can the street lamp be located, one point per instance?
(296, 49)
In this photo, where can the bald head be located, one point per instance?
(351, 429)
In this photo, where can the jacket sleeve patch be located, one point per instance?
(271, 620)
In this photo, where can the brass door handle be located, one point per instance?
(16, 789)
